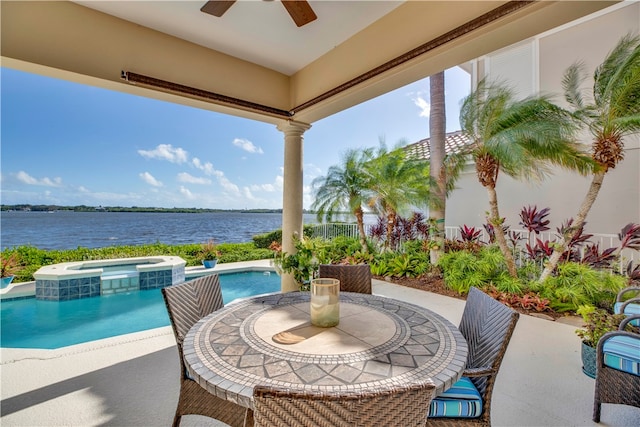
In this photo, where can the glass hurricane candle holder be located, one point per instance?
(325, 302)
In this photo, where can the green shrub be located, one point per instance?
(464, 269)
(263, 241)
(33, 258)
(410, 265)
(576, 284)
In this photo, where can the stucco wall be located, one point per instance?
(619, 200)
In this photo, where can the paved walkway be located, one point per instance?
(132, 380)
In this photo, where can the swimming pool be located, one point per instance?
(32, 323)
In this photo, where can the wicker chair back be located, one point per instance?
(187, 303)
(406, 406)
(353, 278)
(190, 301)
(616, 385)
(487, 325)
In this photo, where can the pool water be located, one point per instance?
(31, 323)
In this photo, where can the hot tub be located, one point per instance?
(84, 279)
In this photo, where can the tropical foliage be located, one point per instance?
(397, 184)
(208, 251)
(597, 323)
(520, 138)
(9, 264)
(610, 115)
(464, 269)
(345, 187)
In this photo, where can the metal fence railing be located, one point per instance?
(604, 241)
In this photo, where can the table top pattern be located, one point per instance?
(380, 343)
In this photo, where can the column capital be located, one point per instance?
(291, 127)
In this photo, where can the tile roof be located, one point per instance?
(454, 142)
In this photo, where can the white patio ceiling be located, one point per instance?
(253, 61)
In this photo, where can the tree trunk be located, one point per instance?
(363, 235)
(391, 222)
(437, 135)
(496, 221)
(561, 247)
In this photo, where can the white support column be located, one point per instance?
(292, 192)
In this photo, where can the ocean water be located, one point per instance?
(69, 230)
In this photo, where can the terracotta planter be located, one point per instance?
(588, 360)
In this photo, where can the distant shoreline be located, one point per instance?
(83, 208)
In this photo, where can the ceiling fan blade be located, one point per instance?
(217, 7)
(300, 11)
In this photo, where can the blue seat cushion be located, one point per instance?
(629, 310)
(462, 400)
(622, 353)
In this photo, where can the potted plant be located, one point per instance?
(304, 263)
(9, 266)
(597, 323)
(209, 254)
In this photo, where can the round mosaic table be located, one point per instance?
(269, 340)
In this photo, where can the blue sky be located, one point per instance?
(65, 143)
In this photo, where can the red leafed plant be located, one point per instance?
(593, 257)
(533, 220)
(469, 234)
(540, 250)
(529, 301)
(630, 237)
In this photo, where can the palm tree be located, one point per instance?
(397, 183)
(345, 187)
(518, 138)
(613, 114)
(437, 171)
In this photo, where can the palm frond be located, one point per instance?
(607, 74)
(572, 80)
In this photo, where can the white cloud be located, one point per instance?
(247, 194)
(47, 182)
(423, 105)
(227, 185)
(311, 171)
(269, 188)
(277, 185)
(149, 179)
(190, 179)
(186, 193)
(166, 152)
(247, 145)
(208, 169)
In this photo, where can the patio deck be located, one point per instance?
(132, 380)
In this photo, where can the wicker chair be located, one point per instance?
(617, 368)
(353, 278)
(487, 325)
(187, 303)
(628, 302)
(402, 407)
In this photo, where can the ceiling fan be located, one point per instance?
(300, 10)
